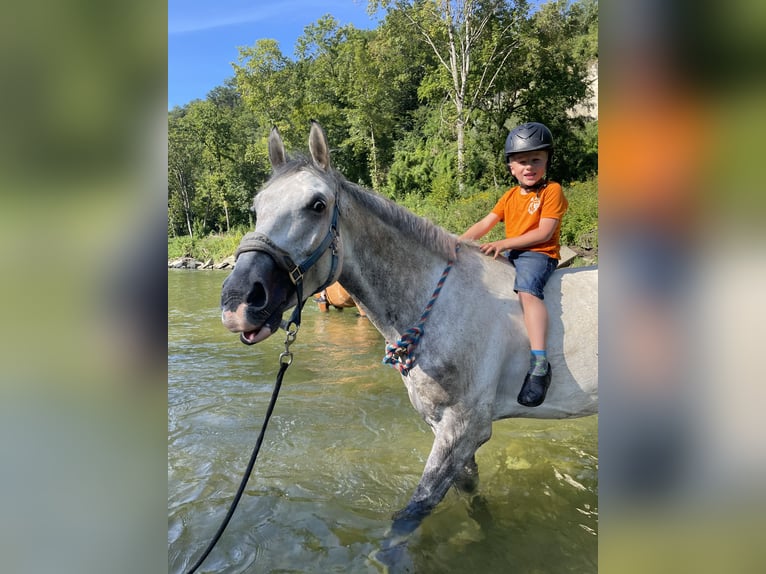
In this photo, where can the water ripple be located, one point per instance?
(343, 451)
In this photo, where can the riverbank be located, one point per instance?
(570, 257)
(191, 263)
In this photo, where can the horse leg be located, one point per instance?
(451, 462)
(467, 480)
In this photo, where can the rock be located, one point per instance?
(184, 263)
(190, 263)
(226, 263)
(567, 256)
(179, 263)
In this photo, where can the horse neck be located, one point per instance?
(387, 268)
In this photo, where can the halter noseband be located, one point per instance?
(254, 241)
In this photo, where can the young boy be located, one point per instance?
(532, 213)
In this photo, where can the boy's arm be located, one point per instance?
(481, 228)
(543, 232)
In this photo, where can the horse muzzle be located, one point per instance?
(249, 333)
(254, 297)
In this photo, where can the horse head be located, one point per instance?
(294, 250)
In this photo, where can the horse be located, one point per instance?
(462, 365)
(336, 296)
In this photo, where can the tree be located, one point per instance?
(184, 154)
(213, 169)
(456, 31)
(263, 77)
(561, 81)
(418, 108)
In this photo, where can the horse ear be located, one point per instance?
(276, 148)
(320, 151)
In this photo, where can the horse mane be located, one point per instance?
(424, 231)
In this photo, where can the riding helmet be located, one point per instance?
(531, 136)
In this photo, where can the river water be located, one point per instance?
(343, 451)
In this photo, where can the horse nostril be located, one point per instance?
(257, 296)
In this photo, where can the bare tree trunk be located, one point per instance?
(460, 129)
(374, 157)
(459, 65)
(465, 30)
(185, 201)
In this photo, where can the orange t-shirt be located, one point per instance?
(522, 213)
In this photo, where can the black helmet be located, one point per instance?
(529, 137)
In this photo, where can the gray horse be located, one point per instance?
(470, 353)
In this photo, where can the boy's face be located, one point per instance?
(529, 166)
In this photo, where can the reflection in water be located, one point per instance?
(343, 451)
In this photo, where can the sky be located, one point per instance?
(204, 35)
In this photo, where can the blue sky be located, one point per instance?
(204, 35)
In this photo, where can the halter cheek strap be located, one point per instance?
(255, 241)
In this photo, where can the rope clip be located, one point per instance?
(286, 357)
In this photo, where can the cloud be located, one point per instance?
(200, 22)
(190, 18)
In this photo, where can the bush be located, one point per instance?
(183, 246)
(579, 228)
(214, 246)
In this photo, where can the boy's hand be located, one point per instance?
(493, 248)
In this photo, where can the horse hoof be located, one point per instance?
(392, 558)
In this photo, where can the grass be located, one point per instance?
(215, 246)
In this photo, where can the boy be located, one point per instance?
(532, 213)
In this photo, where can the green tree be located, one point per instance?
(184, 153)
(471, 40)
(418, 108)
(548, 78)
(263, 77)
(213, 137)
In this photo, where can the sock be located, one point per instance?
(538, 362)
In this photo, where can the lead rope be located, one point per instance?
(285, 360)
(401, 356)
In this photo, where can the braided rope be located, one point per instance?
(401, 355)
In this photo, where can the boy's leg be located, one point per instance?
(535, 319)
(532, 273)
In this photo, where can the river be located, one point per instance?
(343, 451)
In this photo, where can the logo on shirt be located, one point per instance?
(534, 203)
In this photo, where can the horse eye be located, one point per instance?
(319, 206)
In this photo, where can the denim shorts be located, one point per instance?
(533, 269)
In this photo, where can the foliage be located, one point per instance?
(579, 226)
(404, 116)
(213, 167)
(214, 246)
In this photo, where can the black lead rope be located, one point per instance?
(285, 360)
(259, 242)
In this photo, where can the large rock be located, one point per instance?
(226, 263)
(567, 256)
(184, 263)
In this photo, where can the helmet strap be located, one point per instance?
(537, 187)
